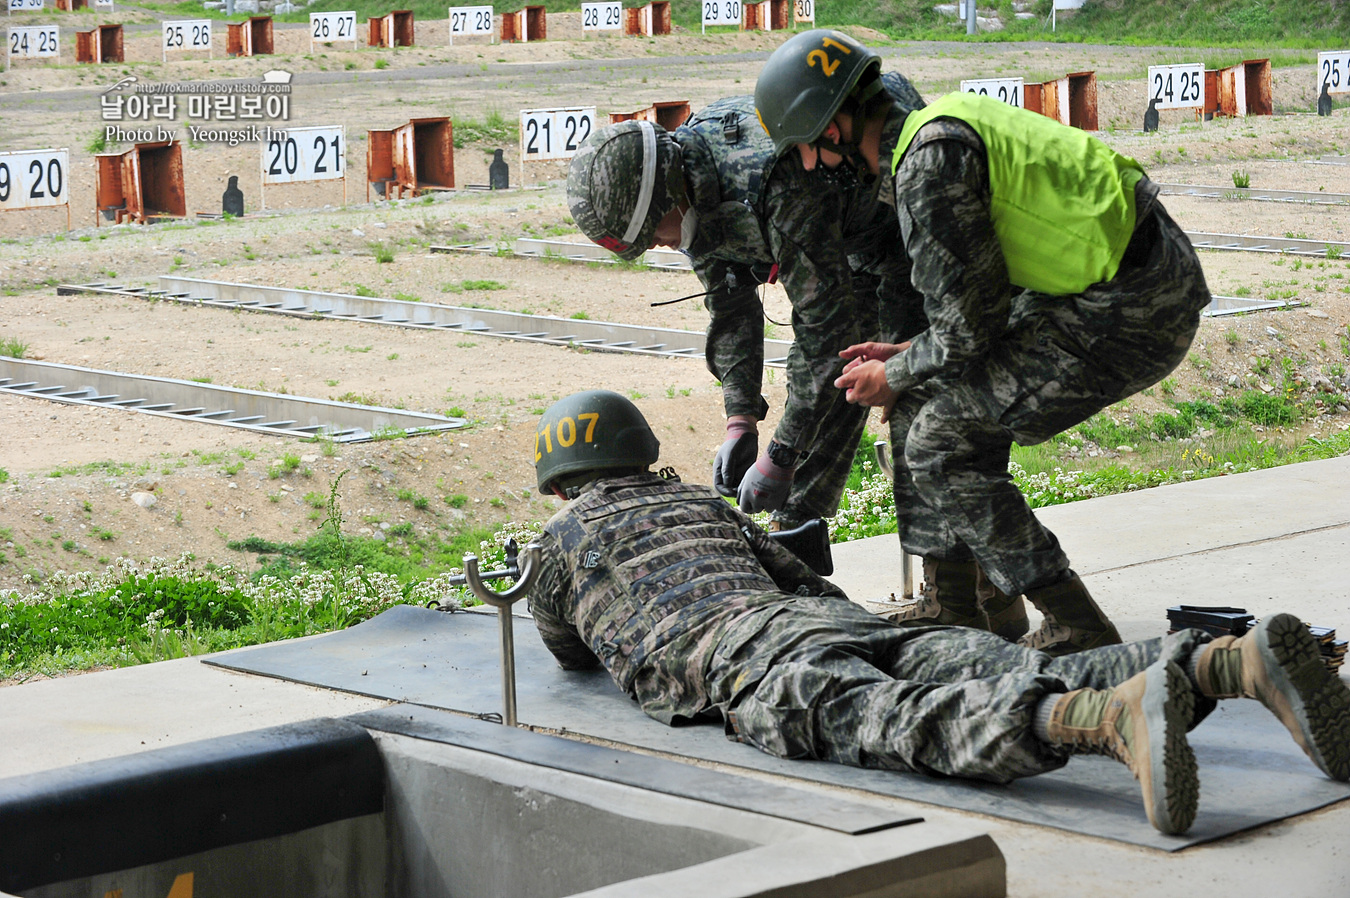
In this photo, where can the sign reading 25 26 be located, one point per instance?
(554, 133)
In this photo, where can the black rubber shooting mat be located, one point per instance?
(1251, 772)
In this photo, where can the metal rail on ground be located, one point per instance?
(185, 400)
(1259, 244)
(570, 251)
(1252, 193)
(1331, 160)
(594, 335)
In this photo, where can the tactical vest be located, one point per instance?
(727, 158)
(1062, 202)
(651, 560)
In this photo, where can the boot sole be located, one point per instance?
(1320, 702)
(1169, 706)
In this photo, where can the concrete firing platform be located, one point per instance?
(1276, 540)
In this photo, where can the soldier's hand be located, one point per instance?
(866, 352)
(865, 383)
(736, 455)
(765, 487)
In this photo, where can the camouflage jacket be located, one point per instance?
(644, 575)
(818, 227)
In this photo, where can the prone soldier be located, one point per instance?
(694, 611)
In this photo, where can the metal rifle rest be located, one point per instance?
(502, 601)
(906, 561)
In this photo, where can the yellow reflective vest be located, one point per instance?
(1062, 201)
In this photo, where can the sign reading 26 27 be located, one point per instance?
(35, 178)
(305, 154)
(554, 133)
(565, 433)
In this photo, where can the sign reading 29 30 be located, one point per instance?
(554, 133)
(305, 154)
(34, 178)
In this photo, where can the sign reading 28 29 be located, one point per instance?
(554, 133)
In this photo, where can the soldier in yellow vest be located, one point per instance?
(1055, 284)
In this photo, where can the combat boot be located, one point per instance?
(1278, 664)
(1142, 723)
(946, 598)
(1073, 621)
(1007, 614)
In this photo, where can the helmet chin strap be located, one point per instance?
(850, 152)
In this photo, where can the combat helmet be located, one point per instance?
(596, 430)
(806, 81)
(622, 182)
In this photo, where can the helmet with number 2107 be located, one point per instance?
(597, 430)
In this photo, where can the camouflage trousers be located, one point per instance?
(818, 483)
(1062, 360)
(825, 679)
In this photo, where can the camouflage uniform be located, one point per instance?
(835, 248)
(998, 366)
(693, 610)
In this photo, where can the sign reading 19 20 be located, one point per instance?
(1177, 86)
(34, 178)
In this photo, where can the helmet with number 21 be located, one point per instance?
(807, 79)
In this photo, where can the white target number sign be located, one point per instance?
(1006, 90)
(332, 26)
(468, 21)
(602, 16)
(554, 133)
(193, 34)
(305, 154)
(26, 5)
(34, 178)
(804, 11)
(722, 12)
(34, 41)
(1177, 86)
(1333, 70)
